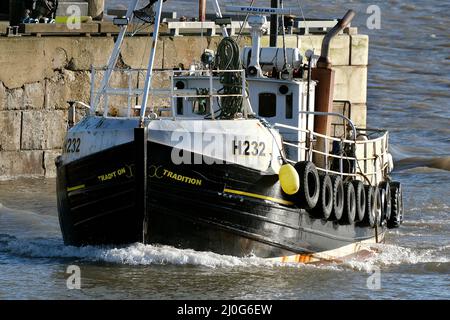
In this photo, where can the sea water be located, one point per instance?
(408, 94)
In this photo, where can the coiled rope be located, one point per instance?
(227, 58)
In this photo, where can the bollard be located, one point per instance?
(96, 9)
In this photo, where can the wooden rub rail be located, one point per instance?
(169, 27)
(210, 28)
(85, 29)
(41, 29)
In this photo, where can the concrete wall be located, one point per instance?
(39, 74)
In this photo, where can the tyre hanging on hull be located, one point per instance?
(308, 194)
(376, 203)
(372, 197)
(338, 197)
(396, 217)
(360, 200)
(324, 204)
(349, 212)
(385, 202)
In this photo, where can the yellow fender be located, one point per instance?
(289, 179)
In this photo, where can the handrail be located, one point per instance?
(171, 92)
(371, 176)
(333, 114)
(115, 54)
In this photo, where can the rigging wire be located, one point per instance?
(306, 24)
(284, 39)
(244, 23)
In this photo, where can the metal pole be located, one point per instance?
(308, 99)
(130, 84)
(172, 98)
(211, 97)
(202, 10)
(140, 153)
(284, 38)
(273, 25)
(148, 78)
(92, 100)
(115, 55)
(219, 15)
(244, 95)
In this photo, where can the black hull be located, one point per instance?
(227, 209)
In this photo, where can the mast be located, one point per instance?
(219, 15)
(273, 24)
(115, 54)
(149, 76)
(141, 134)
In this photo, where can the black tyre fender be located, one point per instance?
(308, 195)
(349, 213)
(360, 200)
(369, 217)
(338, 197)
(376, 204)
(386, 201)
(396, 218)
(324, 205)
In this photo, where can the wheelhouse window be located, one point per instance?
(180, 104)
(289, 106)
(267, 105)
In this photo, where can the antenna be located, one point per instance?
(257, 23)
(257, 20)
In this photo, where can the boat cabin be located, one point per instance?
(276, 100)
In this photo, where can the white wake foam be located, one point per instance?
(140, 254)
(135, 254)
(389, 255)
(35, 236)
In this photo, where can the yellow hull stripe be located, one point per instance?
(81, 186)
(259, 196)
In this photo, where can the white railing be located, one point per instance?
(133, 91)
(367, 160)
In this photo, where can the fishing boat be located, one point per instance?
(240, 161)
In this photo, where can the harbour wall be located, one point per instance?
(38, 75)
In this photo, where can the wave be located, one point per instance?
(140, 254)
(442, 163)
(427, 222)
(393, 255)
(27, 224)
(29, 235)
(400, 152)
(134, 254)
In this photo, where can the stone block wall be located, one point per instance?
(39, 74)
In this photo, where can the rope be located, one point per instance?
(227, 58)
